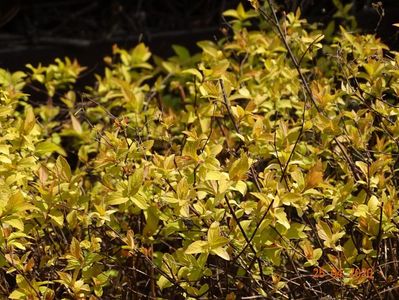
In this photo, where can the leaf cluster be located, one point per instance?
(233, 172)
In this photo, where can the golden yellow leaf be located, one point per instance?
(315, 175)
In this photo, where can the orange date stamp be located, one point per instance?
(357, 273)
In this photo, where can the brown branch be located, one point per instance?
(246, 239)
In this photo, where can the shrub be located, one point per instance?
(253, 168)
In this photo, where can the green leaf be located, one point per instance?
(30, 121)
(216, 175)
(47, 148)
(76, 125)
(139, 55)
(63, 169)
(215, 240)
(221, 252)
(281, 216)
(5, 159)
(135, 181)
(116, 199)
(17, 204)
(72, 219)
(65, 278)
(57, 216)
(181, 52)
(239, 168)
(194, 72)
(209, 48)
(17, 294)
(324, 231)
(16, 223)
(241, 11)
(170, 67)
(152, 221)
(75, 249)
(317, 253)
(190, 149)
(240, 186)
(163, 283)
(296, 231)
(197, 247)
(140, 201)
(182, 189)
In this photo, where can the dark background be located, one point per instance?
(33, 31)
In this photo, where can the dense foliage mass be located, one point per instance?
(245, 170)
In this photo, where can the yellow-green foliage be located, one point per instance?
(215, 175)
